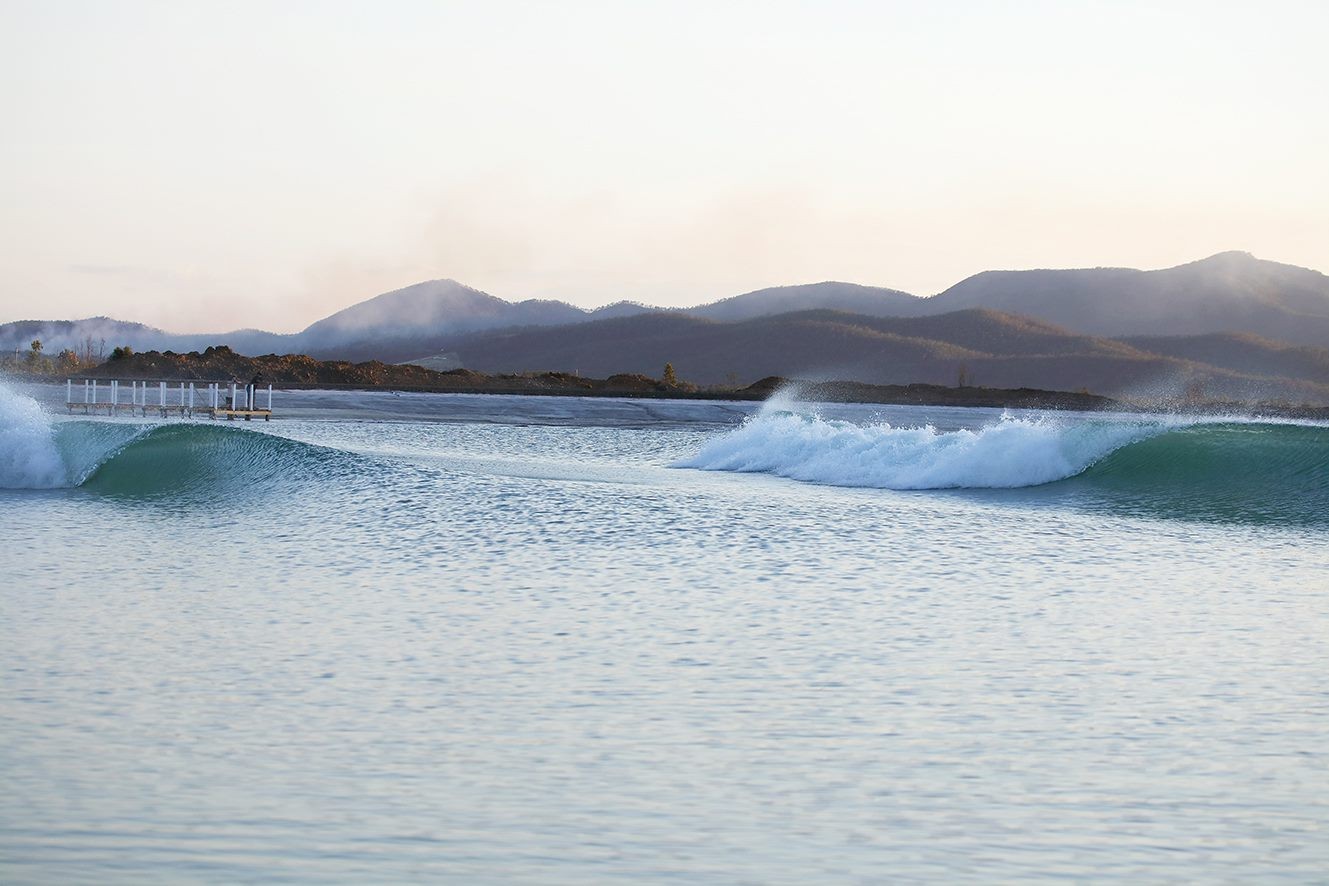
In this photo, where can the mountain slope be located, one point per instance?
(1253, 313)
(99, 334)
(989, 347)
(424, 311)
(872, 301)
(1240, 352)
(1228, 292)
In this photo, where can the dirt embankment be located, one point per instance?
(300, 371)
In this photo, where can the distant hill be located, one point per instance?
(872, 301)
(93, 337)
(1228, 292)
(408, 321)
(989, 348)
(620, 309)
(1240, 352)
(422, 312)
(102, 335)
(1237, 321)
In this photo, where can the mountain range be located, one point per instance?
(1235, 324)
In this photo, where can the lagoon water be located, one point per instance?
(504, 639)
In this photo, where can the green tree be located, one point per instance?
(67, 360)
(35, 352)
(669, 377)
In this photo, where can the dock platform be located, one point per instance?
(187, 400)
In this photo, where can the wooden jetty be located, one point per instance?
(188, 400)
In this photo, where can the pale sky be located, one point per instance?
(203, 166)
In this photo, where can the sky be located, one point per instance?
(203, 166)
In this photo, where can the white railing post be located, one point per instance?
(163, 392)
(233, 403)
(215, 387)
(69, 390)
(269, 398)
(191, 395)
(85, 390)
(182, 395)
(94, 392)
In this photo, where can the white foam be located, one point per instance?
(29, 458)
(1010, 453)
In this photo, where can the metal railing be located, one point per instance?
(165, 397)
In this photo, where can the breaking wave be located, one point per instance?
(1238, 469)
(147, 459)
(1011, 453)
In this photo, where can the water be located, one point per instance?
(489, 639)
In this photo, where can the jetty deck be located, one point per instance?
(168, 400)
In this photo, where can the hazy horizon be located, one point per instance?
(214, 166)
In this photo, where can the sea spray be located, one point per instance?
(1012, 452)
(40, 452)
(29, 458)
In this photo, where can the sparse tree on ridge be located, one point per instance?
(669, 377)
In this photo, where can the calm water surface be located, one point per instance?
(485, 639)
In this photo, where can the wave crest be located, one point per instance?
(1014, 452)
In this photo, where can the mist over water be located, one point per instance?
(489, 639)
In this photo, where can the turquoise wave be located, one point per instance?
(198, 459)
(1242, 472)
(1173, 466)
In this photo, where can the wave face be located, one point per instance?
(208, 460)
(134, 459)
(1244, 471)
(1228, 471)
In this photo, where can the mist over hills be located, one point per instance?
(429, 307)
(407, 321)
(96, 333)
(1228, 292)
(1244, 326)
